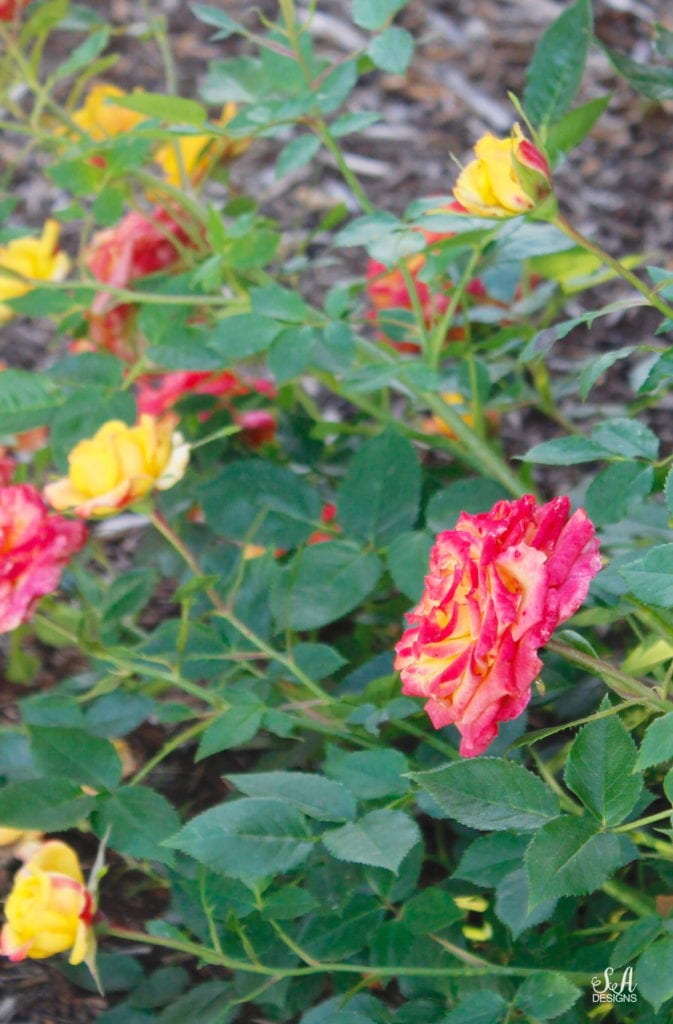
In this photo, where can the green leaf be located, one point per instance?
(630, 944)
(252, 491)
(650, 578)
(369, 774)
(599, 770)
(546, 996)
(138, 819)
(489, 793)
(87, 368)
(368, 228)
(237, 337)
(213, 16)
(615, 489)
(287, 903)
(234, 727)
(47, 804)
(651, 80)
(595, 368)
(118, 713)
(475, 494)
(318, 660)
(565, 451)
(570, 856)
(76, 755)
(392, 50)
(290, 353)
(556, 70)
(373, 14)
(511, 904)
(657, 745)
(380, 494)
(489, 859)
(356, 122)
(407, 561)
(568, 132)
(84, 54)
(381, 838)
(279, 304)
(174, 109)
(128, 594)
(323, 583)
(247, 838)
(628, 438)
(654, 972)
(431, 910)
(296, 153)
(27, 399)
(478, 1008)
(314, 795)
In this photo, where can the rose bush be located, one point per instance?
(322, 420)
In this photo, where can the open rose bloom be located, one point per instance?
(36, 546)
(49, 909)
(119, 465)
(509, 177)
(498, 586)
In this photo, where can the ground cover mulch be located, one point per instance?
(618, 188)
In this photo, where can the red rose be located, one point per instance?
(498, 586)
(36, 546)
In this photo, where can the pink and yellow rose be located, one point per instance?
(119, 465)
(36, 546)
(49, 909)
(509, 177)
(498, 586)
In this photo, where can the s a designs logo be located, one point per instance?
(607, 991)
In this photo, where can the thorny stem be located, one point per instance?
(624, 685)
(650, 294)
(226, 613)
(210, 956)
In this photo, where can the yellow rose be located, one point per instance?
(35, 258)
(196, 155)
(119, 465)
(49, 909)
(509, 177)
(100, 119)
(18, 842)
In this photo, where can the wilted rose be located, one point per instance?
(36, 546)
(498, 586)
(119, 465)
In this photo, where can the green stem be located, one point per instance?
(168, 748)
(641, 905)
(210, 956)
(622, 684)
(650, 294)
(631, 825)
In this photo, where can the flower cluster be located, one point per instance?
(37, 259)
(498, 586)
(36, 547)
(49, 910)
